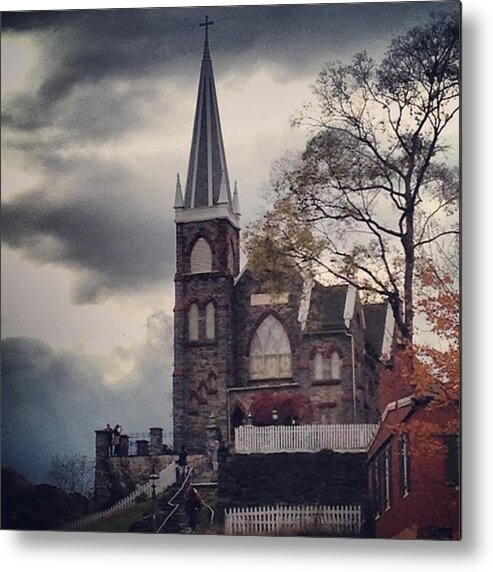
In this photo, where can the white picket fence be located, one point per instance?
(303, 438)
(167, 478)
(344, 520)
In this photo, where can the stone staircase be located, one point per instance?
(203, 479)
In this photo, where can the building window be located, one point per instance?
(231, 259)
(318, 367)
(452, 459)
(210, 321)
(193, 323)
(335, 366)
(201, 258)
(387, 467)
(270, 351)
(405, 465)
(377, 486)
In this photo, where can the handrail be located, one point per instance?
(170, 502)
(176, 506)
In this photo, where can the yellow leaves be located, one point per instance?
(280, 244)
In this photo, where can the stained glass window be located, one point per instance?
(270, 352)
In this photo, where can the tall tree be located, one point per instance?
(372, 191)
(72, 474)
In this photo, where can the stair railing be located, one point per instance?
(175, 506)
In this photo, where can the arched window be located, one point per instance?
(335, 366)
(270, 352)
(210, 321)
(318, 367)
(193, 323)
(201, 258)
(231, 259)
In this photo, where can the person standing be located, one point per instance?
(222, 452)
(182, 463)
(117, 431)
(193, 506)
(213, 449)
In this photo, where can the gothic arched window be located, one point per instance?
(193, 323)
(318, 367)
(270, 351)
(201, 258)
(210, 321)
(335, 366)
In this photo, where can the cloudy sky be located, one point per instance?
(97, 111)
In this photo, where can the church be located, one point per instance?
(241, 355)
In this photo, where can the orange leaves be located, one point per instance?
(431, 373)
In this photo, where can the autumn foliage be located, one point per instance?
(289, 407)
(431, 372)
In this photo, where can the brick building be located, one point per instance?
(310, 353)
(414, 476)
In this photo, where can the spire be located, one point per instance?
(207, 180)
(178, 193)
(223, 191)
(236, 200)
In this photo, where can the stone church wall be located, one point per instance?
(332, 400)
(117, 477)
(202, 368)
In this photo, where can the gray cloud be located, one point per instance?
(100, 220)
(84, 47)
(98, 80)
(52, 401)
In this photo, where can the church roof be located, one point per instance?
(326, 308)
(207, 180)
(375, 318)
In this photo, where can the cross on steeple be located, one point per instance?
(206, 25)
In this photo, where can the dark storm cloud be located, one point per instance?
(87, 46)
(100, 78)
(52, 401)
(100, 220)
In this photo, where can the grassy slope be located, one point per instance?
(121, 521)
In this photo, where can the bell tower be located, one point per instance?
(207, 262)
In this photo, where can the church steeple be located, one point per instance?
(207, 263)
(207, 183)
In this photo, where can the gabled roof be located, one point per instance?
(375, 318)
(326, 308)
